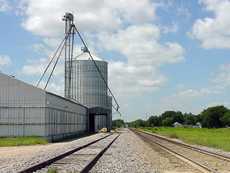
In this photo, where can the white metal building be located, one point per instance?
(26, 110)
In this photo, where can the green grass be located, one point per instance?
(18, 141)
(216, 138)
(52, 170)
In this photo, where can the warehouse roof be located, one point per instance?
(30, 85)
(67, 99)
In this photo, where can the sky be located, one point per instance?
(162, 54)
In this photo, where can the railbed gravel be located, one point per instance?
(214, 150)
(211, 162)
(15, 159)
(130, 154)
(77, 161)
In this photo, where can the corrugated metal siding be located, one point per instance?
(64, 118)
(21, 108)
(87, 86)
(15, 93)
(28, 111)
(22, 121)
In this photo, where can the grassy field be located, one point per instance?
(216, 138)
(18, 141)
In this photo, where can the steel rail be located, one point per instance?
(90, 165)
(59, 157)
(217, 155)
(201, 167)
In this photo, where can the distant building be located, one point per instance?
(198, 125)
(176, 124)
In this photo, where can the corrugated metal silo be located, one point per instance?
(88, 88)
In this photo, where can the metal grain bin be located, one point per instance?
(87, 86)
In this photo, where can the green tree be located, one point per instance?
(138, 123)
(226, 119)
(118, 123)
(154, 121)
(190, 119)
(169, 117)
(168, 121)
(212, 116)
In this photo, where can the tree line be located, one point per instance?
(212, 117)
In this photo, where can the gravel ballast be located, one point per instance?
(14, 159)
(130, 154)
(77, 161)
(213, 163)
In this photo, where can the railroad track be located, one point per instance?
(203, 160)
(80, 159)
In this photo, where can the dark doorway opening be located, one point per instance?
(99, 118)
(92, 123)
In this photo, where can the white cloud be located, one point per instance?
(225, 103)
(141, 46)
(195, 99)
(56, 86)
(218, 82)
(44, 17)
(126, 78)
(5, 60)
(36, 68)
(195, 92)
(213, 32)
(186, 100)
(4, 6)
(169, 29)
(222, 77)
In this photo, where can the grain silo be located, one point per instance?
(89, 89)
(86, 79)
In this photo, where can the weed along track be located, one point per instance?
(203, 160)
(80, 159)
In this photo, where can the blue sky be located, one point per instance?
(163, 55)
